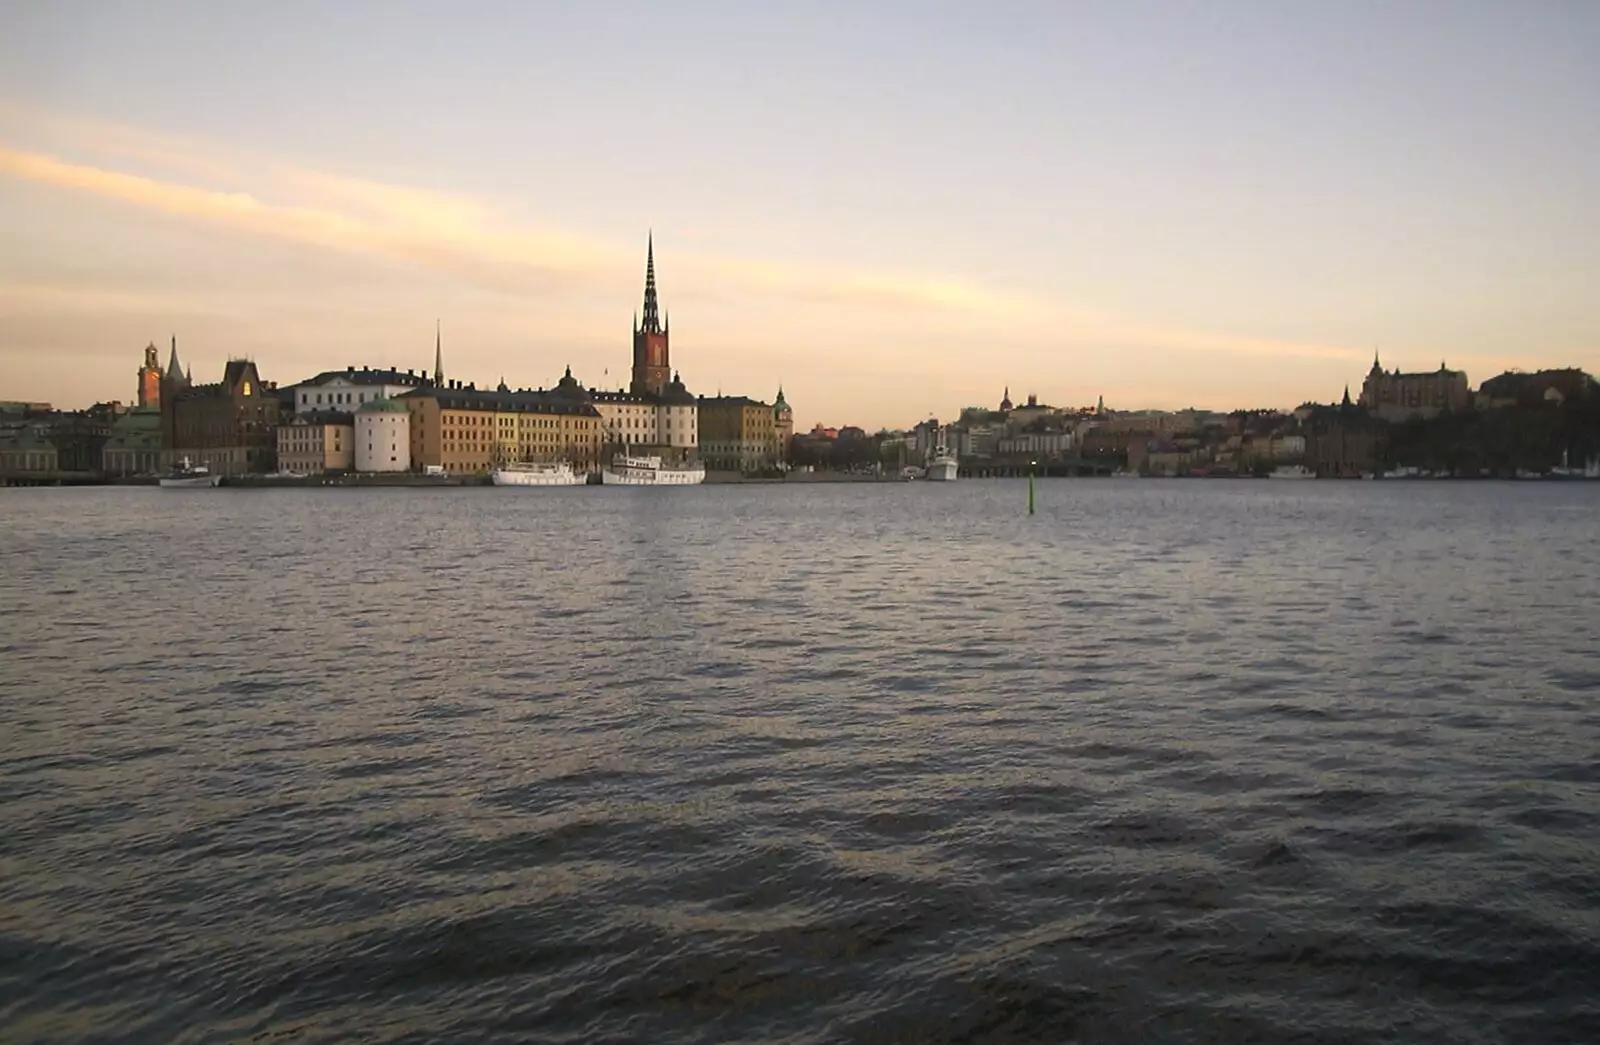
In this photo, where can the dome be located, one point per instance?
(382, 405)
(676, 394)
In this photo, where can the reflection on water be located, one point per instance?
(1187, 761)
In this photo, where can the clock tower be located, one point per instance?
(652, 363)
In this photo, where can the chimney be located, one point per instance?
(363, 368)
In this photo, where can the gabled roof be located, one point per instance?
(367, 377)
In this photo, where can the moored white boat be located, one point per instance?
(942, 466)
(187, 475)
(528, 473)
(626, 470)
(1291, 471)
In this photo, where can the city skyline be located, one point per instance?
(891, 216)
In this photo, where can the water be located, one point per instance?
(1166, 762)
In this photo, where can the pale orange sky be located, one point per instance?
(313, 209)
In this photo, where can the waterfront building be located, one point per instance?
(737, 434)
(318, 442)
(1344, 441)
(383, 436)
(464, 431)
(134, 445)
(230, 427)
(25, 446)
(1394, 396)
(1041, 438)
(149, 395)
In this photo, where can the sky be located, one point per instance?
(892, 209)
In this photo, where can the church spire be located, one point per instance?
(438, 355)
(652, 309)
(174, 368)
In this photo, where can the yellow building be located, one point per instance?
(463, 431)
(316, 442)
(738, 434)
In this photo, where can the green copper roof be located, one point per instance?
(382, 404)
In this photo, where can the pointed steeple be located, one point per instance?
(1346, 401)
(174, 368)
(1377, 368)
(652, 308)
(438, 355)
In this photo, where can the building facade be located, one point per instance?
(1344, 442)
(464, 431)
(1394, 396)
(134, 447)
(738, 434)
(230, 427)
(25, 446)
(318, 442)
(383, 437)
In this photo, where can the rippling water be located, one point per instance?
(1166, 762)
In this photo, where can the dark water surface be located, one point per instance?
(1168, 762)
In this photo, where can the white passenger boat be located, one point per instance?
(625, 470)
(187, 475)
(1291, 471)
(529, 473)
(942, 466)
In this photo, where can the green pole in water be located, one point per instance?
(1030, 488)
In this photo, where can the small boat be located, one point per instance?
(1291, 471)
(625, 470)
(188, 475)
(529, 473)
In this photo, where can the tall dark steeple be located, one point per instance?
(438, 356)
(652, 361)
(652, 313)
(174, 368)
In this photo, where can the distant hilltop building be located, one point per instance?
(1541, 388)
(1394, 396)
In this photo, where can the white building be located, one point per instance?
(349, 389)
(383, 437)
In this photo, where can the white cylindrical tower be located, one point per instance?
(383, 437)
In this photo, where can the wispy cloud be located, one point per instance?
(470, 240)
